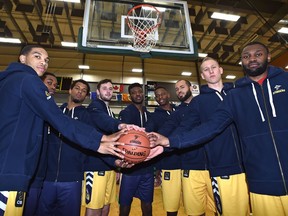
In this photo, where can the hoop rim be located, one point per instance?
(144, 5)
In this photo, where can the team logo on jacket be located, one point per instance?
(278, 89)
(48, 96)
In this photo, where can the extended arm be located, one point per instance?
(198, 135)
(35, 97)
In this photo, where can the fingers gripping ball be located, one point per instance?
(137, 146)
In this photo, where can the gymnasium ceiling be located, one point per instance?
(29, 21)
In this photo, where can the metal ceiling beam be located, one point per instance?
(55, 21)
(69, 21)
(212, 26)
(205, 33)
(272, 21)
(240, 6)
(58, 28)
(7, 5)
(39, 13)
(242, 37)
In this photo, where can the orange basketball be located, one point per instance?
(137, 146)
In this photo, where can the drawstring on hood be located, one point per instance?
(205, 89)
(141, 118)
(72, 114)
(219, 95)
(109, 111)
(169, 112)
(256, 98)
(270, 100)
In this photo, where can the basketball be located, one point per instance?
(137, 146)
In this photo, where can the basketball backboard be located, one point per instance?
(105, 29)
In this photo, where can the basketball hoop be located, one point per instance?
(144, 20)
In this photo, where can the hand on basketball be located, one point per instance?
(123, 164)
(114, 137)
(154, 152)
(130, 127)
(111, 148)
(157, 139)
(137, 146)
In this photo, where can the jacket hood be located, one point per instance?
(206, 89)
(15, 67)
(132, 107)
(245, 81)
(272, 71)
(98, 101)
(64, 105)
(74, 110)
(159, 109)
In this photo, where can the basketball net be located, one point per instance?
(144, 20)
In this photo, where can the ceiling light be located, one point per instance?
(224, 16)
(68, 44)
(230, 77)
(72, 1)
(9, 40)
(186, 73)
(84, 67)
(202, 55)
(286, 67)
(137, 70)
(283, 21)
(283, 30)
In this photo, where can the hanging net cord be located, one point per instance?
(144, 22)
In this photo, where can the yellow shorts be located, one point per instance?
(103, 190)
(12, 203)
(171, 189)
(265, 205)
(197, 192)
(234, 195)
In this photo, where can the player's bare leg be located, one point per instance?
(98, 212)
